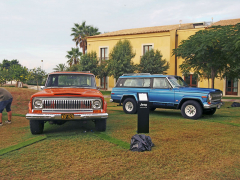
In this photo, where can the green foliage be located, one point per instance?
(81, 32)
(103, 69)
(7, 64)
(3, 75)
(60, 67)
(152, 62)
(37, 75)
(19, 73)
(120, 59)
(212, 53)
(89, 62)
(73, 56)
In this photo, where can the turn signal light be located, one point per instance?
(37, 111)
(96, 111)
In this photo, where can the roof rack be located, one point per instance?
(136, 74)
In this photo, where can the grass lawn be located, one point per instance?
(106, 92)
(207, 148)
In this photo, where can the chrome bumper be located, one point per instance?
(215, 105)
(31, 116)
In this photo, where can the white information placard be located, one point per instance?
(142, 96)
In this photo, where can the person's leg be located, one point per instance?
(0, 118)
(1, 110)
(9, 113)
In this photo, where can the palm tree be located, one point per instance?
(73, 56)
(80, 34)
(60, 67)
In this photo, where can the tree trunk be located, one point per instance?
(84, 46)
(104, 82)
(212, 77)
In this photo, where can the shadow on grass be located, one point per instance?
(167, 113)
(69, 128)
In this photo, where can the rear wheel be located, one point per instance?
(191, 110)
(100, 125)
(36, 127)
(130, 106)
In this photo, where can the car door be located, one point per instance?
(161, 93)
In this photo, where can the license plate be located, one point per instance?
(67, 116)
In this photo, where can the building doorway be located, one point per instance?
(232, 86)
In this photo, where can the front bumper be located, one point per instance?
(212, 105)
(35, 116)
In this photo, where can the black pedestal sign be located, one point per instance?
(143, 113)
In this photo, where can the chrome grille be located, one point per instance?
(67, 104)
(216, 96)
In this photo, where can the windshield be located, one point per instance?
(71, 80)
(177, 81)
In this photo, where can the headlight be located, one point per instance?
(209, 99)
(37, 104)
(97, 104)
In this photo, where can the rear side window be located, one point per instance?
(134, 82)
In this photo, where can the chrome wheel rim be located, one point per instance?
(129, 106)
(190, 110)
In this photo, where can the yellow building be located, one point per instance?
(163, 38)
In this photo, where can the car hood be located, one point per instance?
(80, 92)
(197, 90)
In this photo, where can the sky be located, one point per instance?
(35, 30)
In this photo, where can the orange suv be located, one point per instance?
(67, 96)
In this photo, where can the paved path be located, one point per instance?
(231, 100)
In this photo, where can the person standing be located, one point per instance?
(5, 102)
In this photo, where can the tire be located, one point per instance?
(191, 110)
(100, 125)
(130, 106)
(36, 127)
(209, 111)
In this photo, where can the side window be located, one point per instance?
(134, 82)
(146, 82)
(161, 83)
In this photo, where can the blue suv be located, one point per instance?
(165, 91)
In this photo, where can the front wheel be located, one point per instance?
(129, 106)
(191, 110)
(100, 125)
(36, 126)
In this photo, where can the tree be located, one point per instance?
(73, 56)
(60, 67)
(4, 74)
(89, 62)
(20, 73)
(103, 71)
(152, 62)
(37, 74)
(120, 59)
(7, 64)
(80, 34)
(212, 51)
